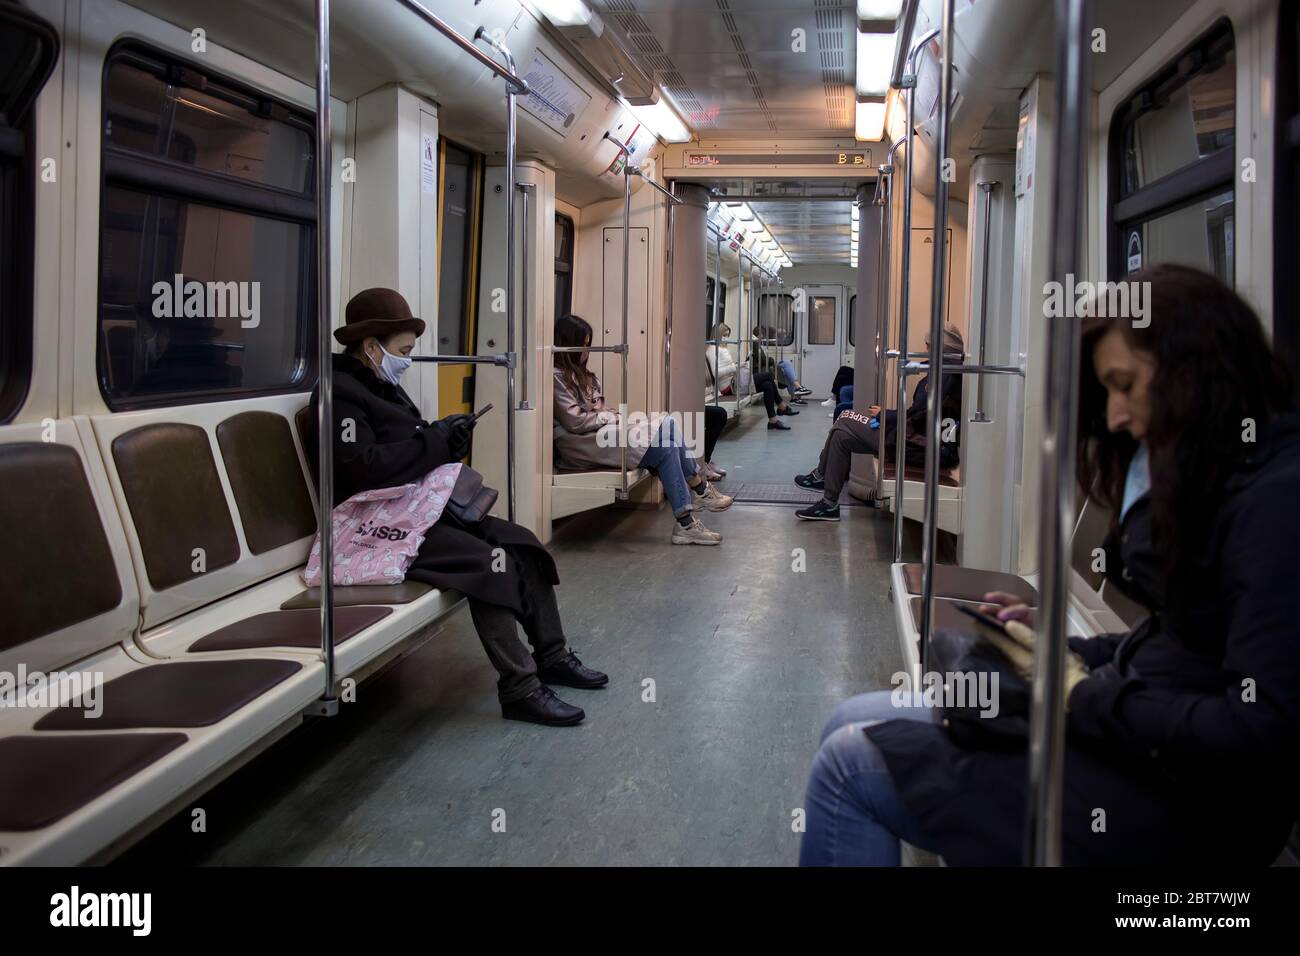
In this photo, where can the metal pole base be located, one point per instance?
(322, 707)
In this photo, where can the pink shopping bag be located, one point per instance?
(378, 533)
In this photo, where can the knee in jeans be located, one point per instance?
(849, 747)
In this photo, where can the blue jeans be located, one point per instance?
(787, 368)
(855, 817)
(844, 400)
(668, 456)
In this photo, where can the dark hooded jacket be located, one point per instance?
(1181, 743)
(381, 441)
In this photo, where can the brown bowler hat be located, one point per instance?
(377, 312)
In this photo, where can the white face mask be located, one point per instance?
(392, 367)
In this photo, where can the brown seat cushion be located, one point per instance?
(65, 572)
(950, 477)
(48, 778)
(352, 595)
(266, 478)
(969, 584)
(289, 629)
(176, 501)
(181, 694)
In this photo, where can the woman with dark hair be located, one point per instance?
(590, 435)
(381, 441)
(1181, 734)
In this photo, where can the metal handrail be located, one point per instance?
(627, 252)
(906, 23)
(589, 348)
(503, 359)
(717, 294)
(668, 296)
(1060, 393)
(987, 189)
(938, 290)
(904, 290)
(525, 189)
(636, 171)
(980, 369)
(742, 251)
(508, 74)
(328, 704)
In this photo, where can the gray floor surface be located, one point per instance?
(746, 656)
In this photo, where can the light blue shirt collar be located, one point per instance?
(1138, 482)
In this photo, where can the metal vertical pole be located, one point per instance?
(512, 91)
(938, 288)
(627, 250)
(510, 299)
(882, 287)
(987, 189)
(717, 294)
(904, 289)
(328, 703)
(668, 303)
(1060, 398)
(525, 189)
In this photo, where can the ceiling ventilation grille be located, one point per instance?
(829, 18)
(733, 30)
(665, 73)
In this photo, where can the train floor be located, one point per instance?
(724, 663)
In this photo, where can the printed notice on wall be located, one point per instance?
(566, 98)
(426, 163)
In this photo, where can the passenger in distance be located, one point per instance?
(854, 432)
(1184, 729)
(381, 440)
(581, 418)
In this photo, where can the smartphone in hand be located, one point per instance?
(985, 619)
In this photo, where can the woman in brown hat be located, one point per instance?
(381, 440)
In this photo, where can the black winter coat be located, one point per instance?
(392, 445)
(1185, 733)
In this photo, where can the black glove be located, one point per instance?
(458, 428)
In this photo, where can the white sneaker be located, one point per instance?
(828, 403)
(713, 472)
(694, 533)
(711, 499)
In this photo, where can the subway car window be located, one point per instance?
(1286, 208)
(1173, 161)
(776, 312)
(708, 306)
(853, 311)
(206, 237)
(563, 265)
(28, 49)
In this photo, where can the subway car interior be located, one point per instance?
(622, 314)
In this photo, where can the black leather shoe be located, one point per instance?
(786, 411)
(568, 671)
(543, 707)
(777, 425)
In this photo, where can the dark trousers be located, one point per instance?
(765, 383)
(541, 622)
(715, 420)
(843, 377)
(848, 436)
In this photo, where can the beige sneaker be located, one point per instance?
(694, 533)
(712, 499)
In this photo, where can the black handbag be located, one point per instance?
(965, 652)
(471, 500)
